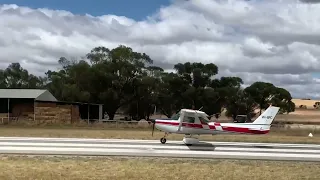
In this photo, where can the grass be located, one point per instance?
(134, 132)
(116, 168)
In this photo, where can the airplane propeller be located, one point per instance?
(153, 125)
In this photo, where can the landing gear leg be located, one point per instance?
(163, 140)
(190, 139)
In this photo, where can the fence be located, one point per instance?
(5, 120)
(122, 123)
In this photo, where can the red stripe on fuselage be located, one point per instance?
(192, 125)
(244, 130)
(173, 123)
(212, 127)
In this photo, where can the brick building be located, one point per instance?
(41, 105)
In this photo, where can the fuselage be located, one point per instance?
(173, 126)
(196, 122)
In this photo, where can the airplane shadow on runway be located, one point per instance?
(204, 146)
(201, 146)
(263, 147)
(211, 147)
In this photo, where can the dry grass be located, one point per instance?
(308, 103)
(116, 168)
(276, 135)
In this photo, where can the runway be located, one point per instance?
(153, 148)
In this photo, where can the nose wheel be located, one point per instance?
(163, 140)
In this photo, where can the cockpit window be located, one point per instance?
(202, 119)
(189, 119)
(176, 116)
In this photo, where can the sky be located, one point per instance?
(275, 41)
(137, 10)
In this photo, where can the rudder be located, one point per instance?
(267, 116)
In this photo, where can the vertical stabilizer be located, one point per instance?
(267, 116)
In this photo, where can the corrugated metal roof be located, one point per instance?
(38, 94)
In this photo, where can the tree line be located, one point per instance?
(125, 80)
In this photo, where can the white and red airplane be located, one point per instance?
(193, 122)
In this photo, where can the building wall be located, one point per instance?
(18, 108)
(75, 114)
(56, 113)
(22, 110)
(51, 112)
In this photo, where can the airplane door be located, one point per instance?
(181, 120)
(189, 121)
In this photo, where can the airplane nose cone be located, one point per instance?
(153, 121)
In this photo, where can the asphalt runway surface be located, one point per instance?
(153, 148)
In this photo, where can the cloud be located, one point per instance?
(275, 40)
(310, 1)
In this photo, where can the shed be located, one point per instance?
(40, 104)
(35, 94)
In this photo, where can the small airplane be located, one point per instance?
(195, 122)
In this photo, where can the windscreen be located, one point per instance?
(176, 116)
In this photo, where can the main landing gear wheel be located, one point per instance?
(163, 140)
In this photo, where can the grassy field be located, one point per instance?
(116, 168)
(133, 132)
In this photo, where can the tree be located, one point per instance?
(240, 103)
(170, 90)
(143, 106)
(197, 74)
(283, 99)
(199, 77)
(72, 82)
(262, 93)
(265, 94)
(125, 80)
(14, 76)
(3, 83)
(120, 69)
(225, 88)
(211, 101)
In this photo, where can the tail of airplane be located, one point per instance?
(267, 116)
